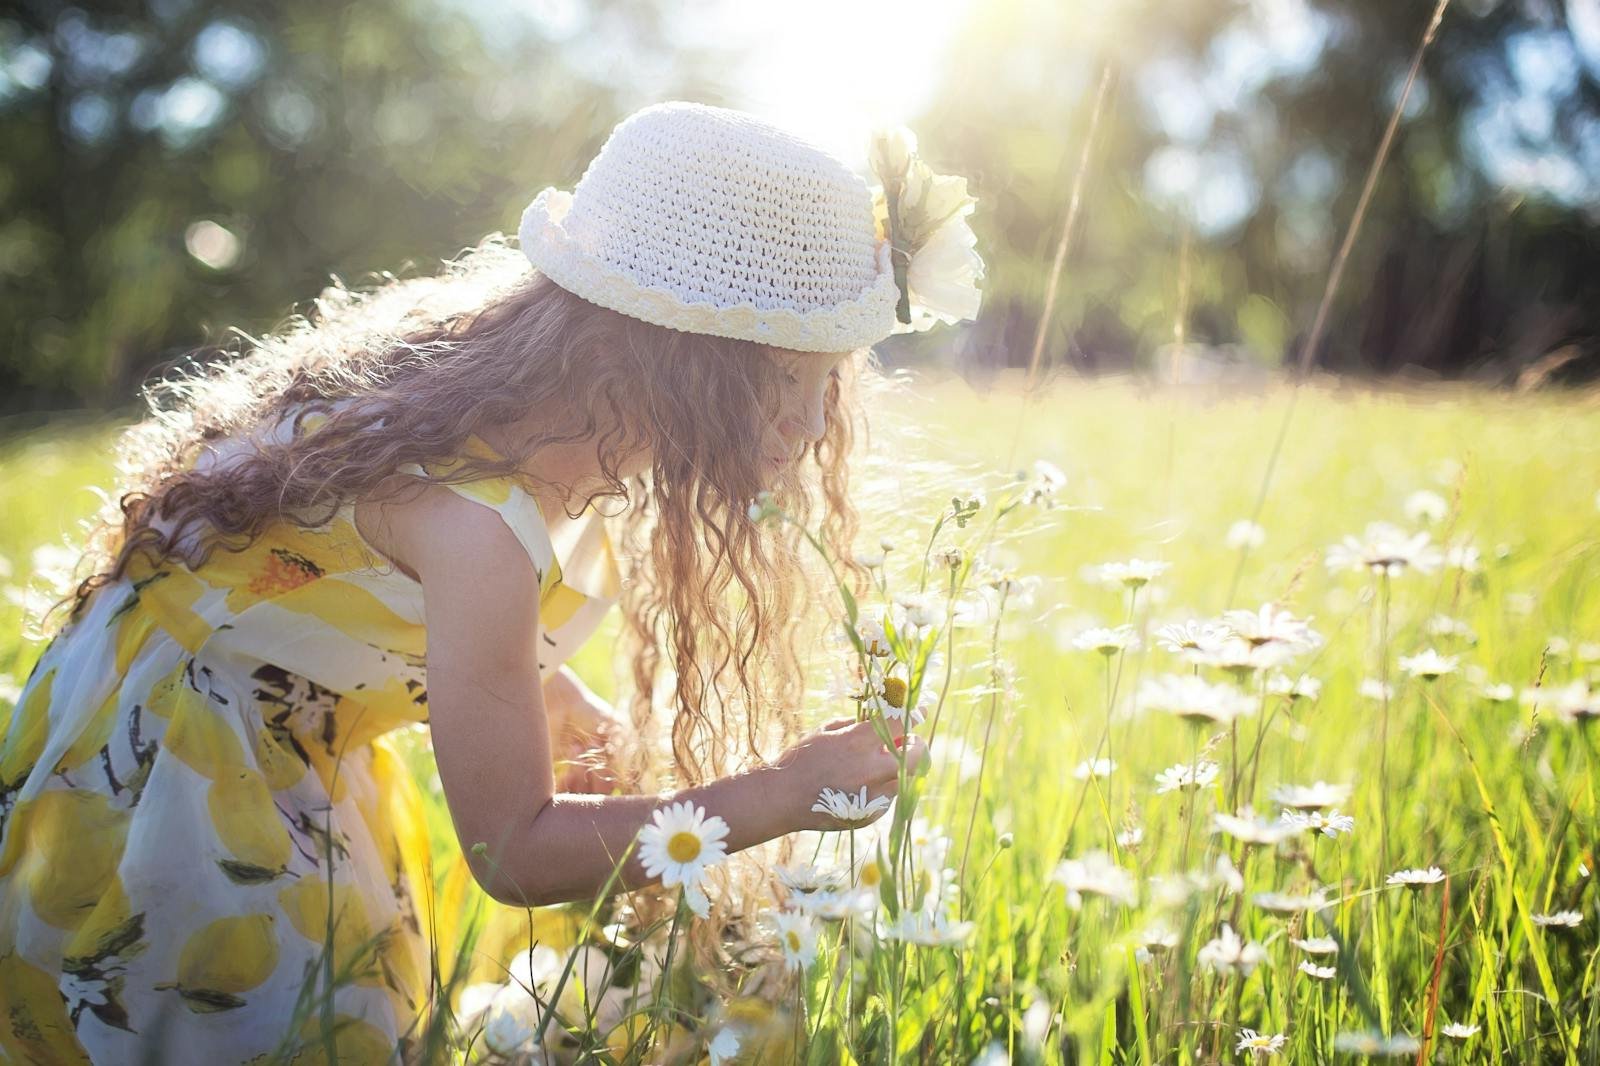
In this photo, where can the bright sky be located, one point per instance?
(831, 70)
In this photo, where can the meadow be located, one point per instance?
(1244, 749)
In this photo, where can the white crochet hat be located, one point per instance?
(710, 220)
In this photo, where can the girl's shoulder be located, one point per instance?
(402, 518)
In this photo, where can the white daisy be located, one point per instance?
(1373, 689)
(511, 1021)
(680, 842)
(1271, 625)
(1311, 797)
(1321, 973)
(1459, 1031)
(1242, 659)
(1303, 687)
(1244, 534)
(1574, 702)
(1193, 699)
(1260, 1044)
(1097, 768)
(802, 878)
(873, 639)
(837, 906)
(887, 696)
(1225, 875)
(1428, 665)
(723, 1046)
(1425, 506)
(1329, 823)
(1184, 775)
(1564, 919)
(1227, 953)
(694, 895)
(1158, 938)
(1442, 625)
(797, 936)
(1047, 482)
(1184, 637)
(1135, 573)
(919, 610)
(928, 929)
(1498, 692)
(1288, 903)
(1095, 874)
(1246, 827)
(1384, 549)
(1317, 945)
(850, 811)
(1107, 641)
(1416, 878)
(1464, 556)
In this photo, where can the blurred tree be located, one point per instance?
(1230, 158)
(176, 167)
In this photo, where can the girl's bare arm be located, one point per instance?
(491, 737)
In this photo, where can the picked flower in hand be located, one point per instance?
(923, 217)
(850, 811)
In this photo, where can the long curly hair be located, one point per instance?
(712, 601)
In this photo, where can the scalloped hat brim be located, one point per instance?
(860, 323)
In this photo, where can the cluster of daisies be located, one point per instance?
(1249, 663)
(1242, 667)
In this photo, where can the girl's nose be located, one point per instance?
(816, 422)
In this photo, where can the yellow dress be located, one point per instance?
(196, 795)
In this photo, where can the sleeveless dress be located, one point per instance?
(197, 795)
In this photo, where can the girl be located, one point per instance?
(388, 518)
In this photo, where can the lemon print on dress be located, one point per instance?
(221, 960)
(68, 843)
(163, 597)
(355, 949)
(25, 737)
(355, 1043)
(34, 1023)
(111, 929)
(94, 736)
(249, 826)
(201, 737)
(279, 764)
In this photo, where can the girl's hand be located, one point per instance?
(583, 732)
(582, 746)
(843, 755)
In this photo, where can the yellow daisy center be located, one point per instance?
(683, 846)
(869, 875)
(794, 941)
(894, 691)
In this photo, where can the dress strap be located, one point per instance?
(511, 502)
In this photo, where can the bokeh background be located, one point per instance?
(173, 170)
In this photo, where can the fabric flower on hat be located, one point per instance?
(923, 218)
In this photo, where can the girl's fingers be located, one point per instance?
(885, 764)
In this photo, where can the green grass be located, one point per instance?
(1500, 797)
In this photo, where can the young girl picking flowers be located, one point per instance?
(386, 517)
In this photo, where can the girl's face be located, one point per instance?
(804, 379)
